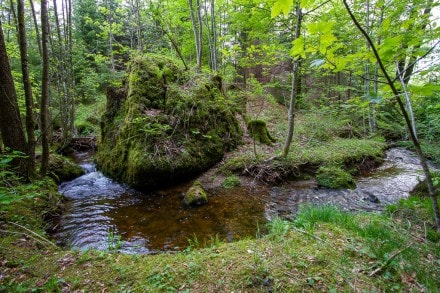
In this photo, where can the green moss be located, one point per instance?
(196, 195)
(231, 181)
(258, 130)
(62, 169)
(334, 177)
(170, 126)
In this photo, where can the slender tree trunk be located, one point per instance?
(415, 141)
(197, 30)
(367, 79)
(200, 33)
(30, 123)
(295, 88)
(11, 129)
(138, 24)
(37, 30)
(167, 31)
(210, 41)
(44, 88)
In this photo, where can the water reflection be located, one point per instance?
(103, 214)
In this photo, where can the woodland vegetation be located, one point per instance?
(318, 86)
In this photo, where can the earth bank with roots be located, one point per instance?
(165, 125)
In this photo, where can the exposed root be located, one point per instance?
(270, 173)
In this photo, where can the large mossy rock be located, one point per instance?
(62, 169)
(165, 125)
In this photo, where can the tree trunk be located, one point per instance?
(37, 31)
(214, 37)
(11, 128)
(396, 94)
(30, 123)
(295, 88)
(44, 88)
(197, 30)
(138, 24)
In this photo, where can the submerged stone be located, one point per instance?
(165, 125)
(195, 195)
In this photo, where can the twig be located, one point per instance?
(36, 234)
(311, 235)
(385, 263)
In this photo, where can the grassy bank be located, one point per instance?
(324, 249)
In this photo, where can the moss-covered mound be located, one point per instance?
(62, 169)
(165, 125)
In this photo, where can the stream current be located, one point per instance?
(103, 214)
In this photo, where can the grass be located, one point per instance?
(323, 249)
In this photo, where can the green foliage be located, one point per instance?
(114, 242)
(7, 175)
(317, 128)
(334, 177)
(162, 280)
(309, 216)
(278, 228)
(341, 151)
(231, 182)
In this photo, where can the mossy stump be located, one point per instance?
(165, 125)
(196, 195)
(258, 130)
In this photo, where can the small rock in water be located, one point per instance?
(371, 198)
(196, 195)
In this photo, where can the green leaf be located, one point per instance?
(298, 48)
(283, 6)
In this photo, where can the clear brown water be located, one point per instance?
(103, 214)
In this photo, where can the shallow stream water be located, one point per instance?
(104, 214)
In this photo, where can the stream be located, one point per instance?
(106, 215)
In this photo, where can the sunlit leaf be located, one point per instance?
(281, 6)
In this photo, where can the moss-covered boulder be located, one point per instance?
(62, 169)
(165, 125)
(334, 177)
(196, 195)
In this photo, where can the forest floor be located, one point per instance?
(323, 249)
